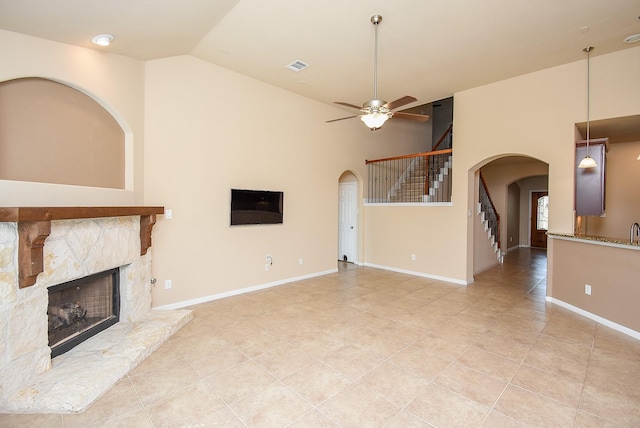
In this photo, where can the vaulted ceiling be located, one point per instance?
(428, 49)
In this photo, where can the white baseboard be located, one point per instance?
(187, 303)
(596, 318)
(423, 275)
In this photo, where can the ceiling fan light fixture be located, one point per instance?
(102, 39)
(374, 120)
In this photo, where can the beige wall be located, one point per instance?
(116, 82)
(209, 130)
(513, 215)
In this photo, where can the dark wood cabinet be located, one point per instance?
(590, 192)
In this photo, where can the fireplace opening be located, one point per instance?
(82, 308)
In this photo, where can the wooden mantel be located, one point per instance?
(34, 226)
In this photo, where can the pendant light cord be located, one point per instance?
(588, 51)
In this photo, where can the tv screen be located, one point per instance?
(256, 207)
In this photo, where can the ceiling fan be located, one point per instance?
(376, 112)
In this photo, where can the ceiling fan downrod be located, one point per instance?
(375, 20)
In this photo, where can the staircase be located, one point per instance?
(489, 218)
(410, 187)
(440, 189)
(491, 236)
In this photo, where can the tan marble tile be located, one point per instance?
(610, 405)
(188, 406)
(405, 419)
(419, 363)
(488, 363)
(535, 410)
(233, 384)
(135, 417)
(356, 406)
(441, 407)
(393, 383)
(443, 347)
(151, 385)
(474, 385)
(31, 421)
(316, 382)
(501, 346)
(352, 361)
(550, 362)
(274, 405)
(498, 420)
(215, 359)
(558, 348)
(562, 388)
(313, 419)
(284, 360)
(586, 420)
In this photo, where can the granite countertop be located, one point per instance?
(597, 239)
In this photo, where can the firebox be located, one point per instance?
(82, 308)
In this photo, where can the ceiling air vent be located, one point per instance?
(297, 65)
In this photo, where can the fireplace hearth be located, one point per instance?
(82, 308)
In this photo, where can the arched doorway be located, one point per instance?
(511, 181)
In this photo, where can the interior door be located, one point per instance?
(347, 222)
(539, 219)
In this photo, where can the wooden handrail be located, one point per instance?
(416, 155)
(443, 137)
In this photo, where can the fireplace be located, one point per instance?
(43, 247)
(82, 308)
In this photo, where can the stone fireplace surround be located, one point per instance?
(41, 247)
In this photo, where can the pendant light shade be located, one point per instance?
(588, 161)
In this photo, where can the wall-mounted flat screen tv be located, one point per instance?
(256, 207)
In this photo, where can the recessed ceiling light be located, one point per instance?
(632, 38)
(102, 40)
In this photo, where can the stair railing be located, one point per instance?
(488, 207)
(385, 174)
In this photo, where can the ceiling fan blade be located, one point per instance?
(400, 102)
(342, 118)
(411, 116)
(348, 105)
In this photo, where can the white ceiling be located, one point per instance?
(427, 49)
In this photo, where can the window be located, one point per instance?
(543, 213)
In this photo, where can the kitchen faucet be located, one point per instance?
(635, 231)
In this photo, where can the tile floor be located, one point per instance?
(372, 348)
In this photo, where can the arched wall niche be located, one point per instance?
(51, 132)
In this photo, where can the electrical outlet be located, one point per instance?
(587, 289)
(168, 284)
(413, 257)
(168, 214)
(300, 261)
(267, 266)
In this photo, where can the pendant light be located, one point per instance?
(587, 161)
